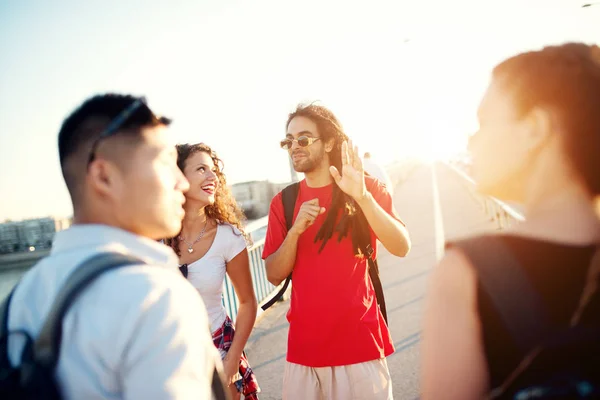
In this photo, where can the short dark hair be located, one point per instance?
(565, 80)
(84, 125)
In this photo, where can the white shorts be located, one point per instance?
(365, 381)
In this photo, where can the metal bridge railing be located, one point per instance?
(263, 289)
(498, 211)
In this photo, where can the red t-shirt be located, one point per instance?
(334, 318)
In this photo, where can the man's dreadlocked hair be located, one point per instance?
(225, 209)
(343, 215)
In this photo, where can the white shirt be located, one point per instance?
(207, 274)
(137, 332)
(378, 172)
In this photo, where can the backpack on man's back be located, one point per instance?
(35, 377)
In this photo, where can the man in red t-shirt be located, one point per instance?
(338, 339)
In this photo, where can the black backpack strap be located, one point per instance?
(47, 345)
(367, 249)
(289, 195)
(377, 286)
(589, 302)
(514, 298)
(4, 309)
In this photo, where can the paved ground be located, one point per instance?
(436, 207)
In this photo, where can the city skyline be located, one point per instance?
(404, 78)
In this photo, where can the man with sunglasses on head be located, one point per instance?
(139, 331)
(338, 338)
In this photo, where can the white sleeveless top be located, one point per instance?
(207, 274)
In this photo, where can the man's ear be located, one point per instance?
(329, 145)
(103, 177)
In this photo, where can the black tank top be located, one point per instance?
(558, 272)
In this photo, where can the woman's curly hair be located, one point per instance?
(225, 209)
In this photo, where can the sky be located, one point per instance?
(404, 77)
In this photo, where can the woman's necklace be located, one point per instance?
(191, 245)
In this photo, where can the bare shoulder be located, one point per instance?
(453, 277)
(453, 360)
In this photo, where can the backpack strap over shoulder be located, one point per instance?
(47, 345)
(373, 267)
(377, 286)
(289, 195)
(512, 294)
(35, 376)
(589, 303)
(4, 309)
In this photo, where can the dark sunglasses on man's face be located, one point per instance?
(117, 123)
(303, 141)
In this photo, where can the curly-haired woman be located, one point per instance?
(211, 243)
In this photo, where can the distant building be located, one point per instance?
(9, 237)
(30, 234)
(254, 197)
